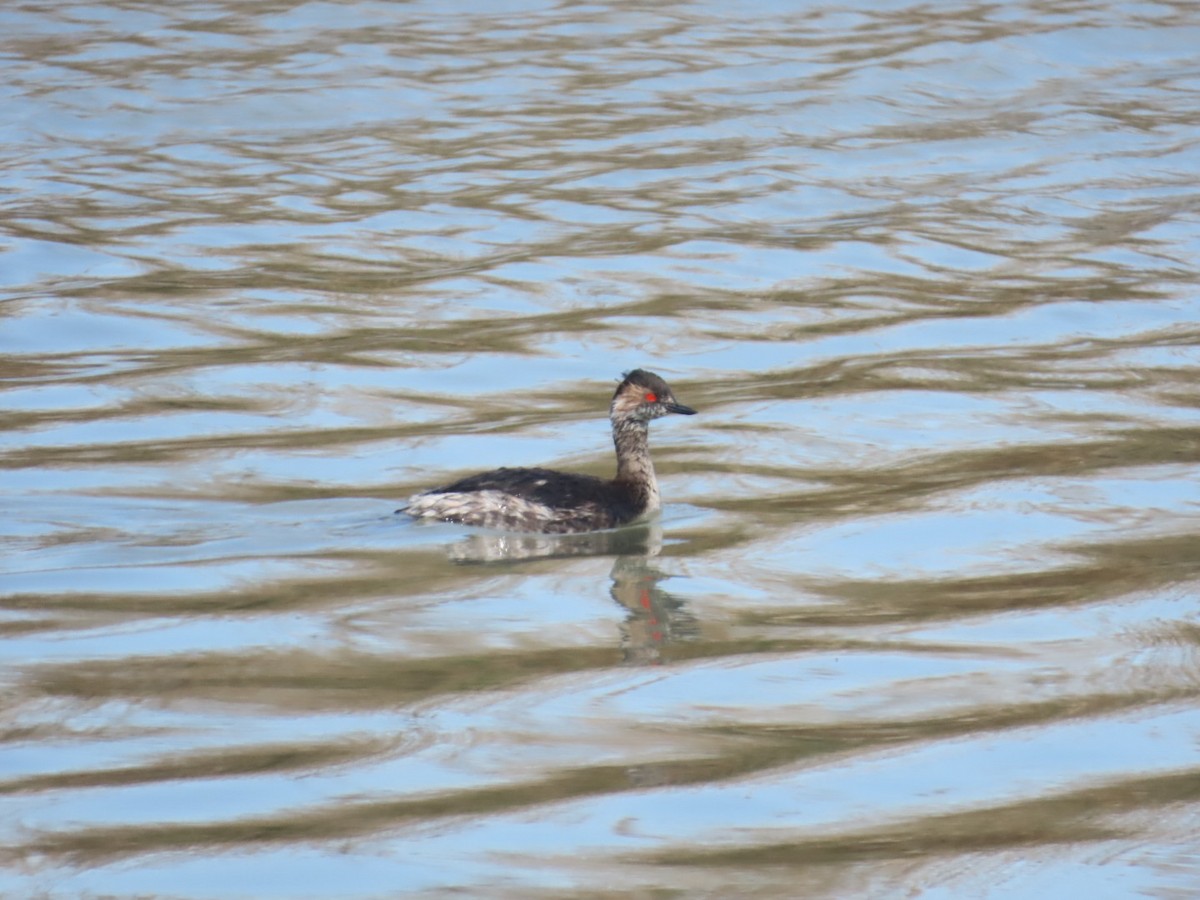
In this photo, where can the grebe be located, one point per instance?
(559, 502)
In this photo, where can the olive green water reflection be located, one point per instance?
(920, 615)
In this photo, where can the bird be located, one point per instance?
(553, 502)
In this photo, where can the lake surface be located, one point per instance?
(921, 614)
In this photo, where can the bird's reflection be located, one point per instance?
(654, 617)
(490, 547)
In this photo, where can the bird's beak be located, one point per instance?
(681, 409)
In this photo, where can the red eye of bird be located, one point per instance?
(652, 398)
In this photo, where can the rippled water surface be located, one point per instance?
(920, 616)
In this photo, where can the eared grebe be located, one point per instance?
(559, 502)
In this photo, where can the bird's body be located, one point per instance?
(552, 502)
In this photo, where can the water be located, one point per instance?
(920, 617)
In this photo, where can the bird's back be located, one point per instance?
(531, 500)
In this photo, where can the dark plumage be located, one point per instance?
(559, 502)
